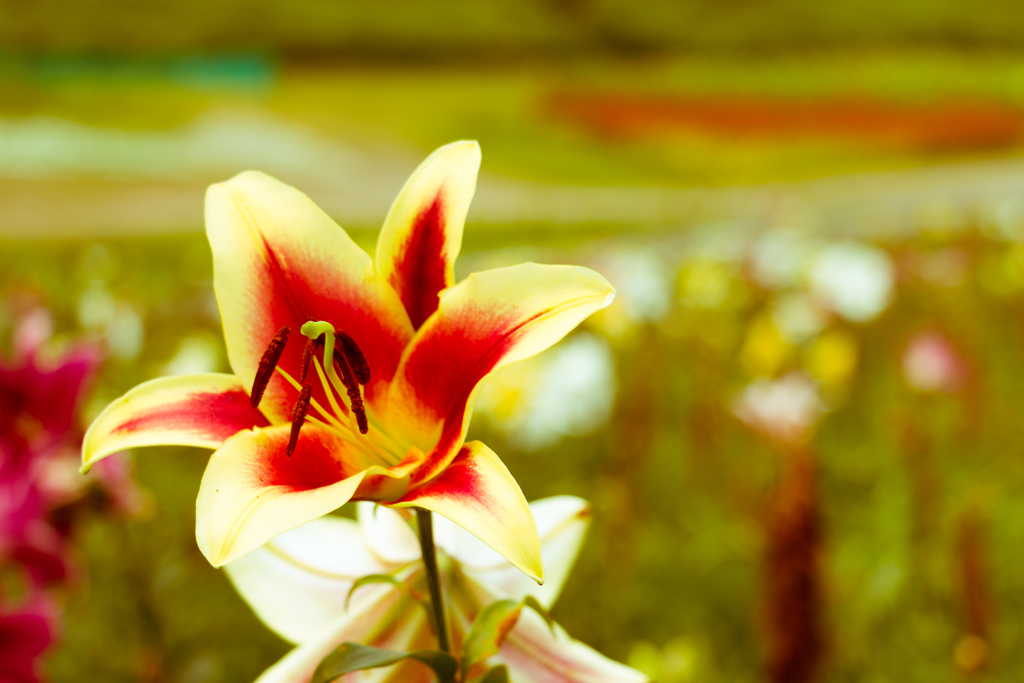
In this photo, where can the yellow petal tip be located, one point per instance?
(608, 299)
(465, 143)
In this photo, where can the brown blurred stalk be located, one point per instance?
(971, 653)
(793, 584)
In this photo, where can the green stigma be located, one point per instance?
(313, 329)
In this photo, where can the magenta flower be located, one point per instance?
(38, 411)
(25, 635)
(39, 438)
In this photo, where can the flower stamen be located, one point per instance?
(312, 346)
(354, 355)
(298, 417)
(354, 397)
(268, 362)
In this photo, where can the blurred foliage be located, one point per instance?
(680, 121)
(919, 489)
(449, 28)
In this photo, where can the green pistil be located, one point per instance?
(313, 329)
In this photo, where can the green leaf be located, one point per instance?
(401, 585)
(371, 578)
(492, 625)
(349, 657)
(498, 674)
(534, 604)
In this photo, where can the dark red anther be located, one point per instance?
(356, 359)
(312, 347)
(267, 364)
(298, 417)
(354, 397)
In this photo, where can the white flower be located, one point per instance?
(298, 584)
(856, 280)
(784, 409)
(567, 391)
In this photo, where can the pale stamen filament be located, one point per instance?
(327, 415)
(377, 446)
(376, 454)
(341, 415)
(313, 329)
(385, 440)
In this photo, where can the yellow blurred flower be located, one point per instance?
(832, 358)
(764, 350)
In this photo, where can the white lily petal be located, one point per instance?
(562, 523)
(384, 618)
(386, 533)
(298, 582)
(536, 655)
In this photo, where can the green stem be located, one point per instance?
(426, 525)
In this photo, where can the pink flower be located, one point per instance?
(38, 411)
(25, 634)
(930, 363)
(38, 399)
(39, 434)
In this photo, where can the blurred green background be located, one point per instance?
(814, 214)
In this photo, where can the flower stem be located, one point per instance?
(426, 525)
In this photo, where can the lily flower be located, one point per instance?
(299, 583)
(375, 404)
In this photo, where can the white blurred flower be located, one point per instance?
(797, 317)
(195, 355)
(644, 284)
(121, 326)
(855, 280)
(784, 409)
(567, 391)
(1003, 218)
(931, 364)
(125, 333)
(779, 258)
(96, 306)
(298, 584)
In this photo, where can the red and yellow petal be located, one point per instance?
(477, 492)
(189, 410)
(252, 491)
(279, 260)
(422, 233)
(488, 320)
